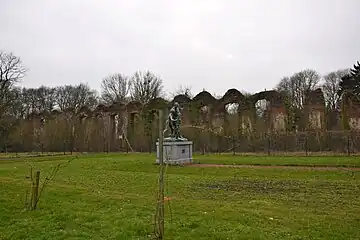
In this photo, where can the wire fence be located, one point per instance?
(300, 143)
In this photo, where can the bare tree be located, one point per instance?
(146, 86)
(75, 97)
(11, 72)
(115, 88)
(182, 90)
(18, 108)
(39, 99)
(297, 85)
(46, 98)
(330, 88)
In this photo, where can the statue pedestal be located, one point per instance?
(176, 152)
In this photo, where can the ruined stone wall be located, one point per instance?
(314, 109)
(352, 108)
(205, 120)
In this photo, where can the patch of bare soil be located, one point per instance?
(272, 186)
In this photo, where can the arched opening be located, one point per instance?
(204, 109)
(262, 114)
(261, 108)
(232, 108)
(231, 119)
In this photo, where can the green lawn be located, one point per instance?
(113, 197)
(331, 161)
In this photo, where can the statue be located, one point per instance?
(173, 122)
(175, 149)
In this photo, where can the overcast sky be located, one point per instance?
(216, 45)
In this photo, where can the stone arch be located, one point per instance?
(228, 112)
(201, 110)
(202, 105)
(204, 98)
(314, 109)
(182, 99)
(232, 97)
(275, 114)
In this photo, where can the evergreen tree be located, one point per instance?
(350, 83)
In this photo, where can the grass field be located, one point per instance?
(113, 196)
(330, 161)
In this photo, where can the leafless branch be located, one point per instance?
(115, 88)
(330, 88)
(297, 85)
(182, 90)
(11, 72)
(47, 180)
(146, 86)
(75, 97)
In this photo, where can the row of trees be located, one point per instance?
(299, 83)
(144, 86)
(141, 87)
(19, 102)
(333, 85)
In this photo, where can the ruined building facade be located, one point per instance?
(205, 120)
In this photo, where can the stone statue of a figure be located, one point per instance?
(174, 120)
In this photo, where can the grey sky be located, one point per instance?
(216, 45)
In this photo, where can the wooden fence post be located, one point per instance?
(36, 190)
(268, 144)
(233, 145)
(306, 144)
(348, 143)
(161, 178)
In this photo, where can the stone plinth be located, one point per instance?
(176, 152)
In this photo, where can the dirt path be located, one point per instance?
(277, 167)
